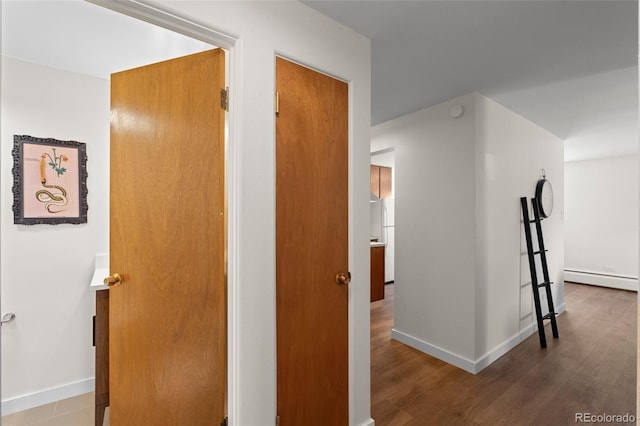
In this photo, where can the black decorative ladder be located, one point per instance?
(535, 285)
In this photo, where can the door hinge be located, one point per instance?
(224, 99)
(277, 103)
(224, 422)
(277, 420)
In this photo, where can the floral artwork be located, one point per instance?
(49, 181)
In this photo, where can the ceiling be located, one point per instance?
(569, 66)
(81, 37)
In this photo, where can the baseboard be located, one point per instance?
(510, 343)
(46, 396)
(433, 350)
(500, 350)
(603, 280)
(473, 367)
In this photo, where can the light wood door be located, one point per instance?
(167, 349)
(311, 247)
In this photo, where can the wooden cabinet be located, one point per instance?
(101, 342)
(385, 182)
(375, 180)
(377, 273)
(381, 181)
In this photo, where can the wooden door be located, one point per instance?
(311, 247)
(167, 319)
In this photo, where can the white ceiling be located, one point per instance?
(569, 66)
(81, 37)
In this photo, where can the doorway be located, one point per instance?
(216, 177)
(82, 350)
(382, 223)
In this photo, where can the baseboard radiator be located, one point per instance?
(603, 279)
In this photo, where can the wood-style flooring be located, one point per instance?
(590, 369)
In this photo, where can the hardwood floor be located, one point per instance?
(590, 369)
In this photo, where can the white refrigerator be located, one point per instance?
(388, 236)
(383, 229)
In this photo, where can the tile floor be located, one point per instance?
(76, 411)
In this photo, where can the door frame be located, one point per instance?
(186, 26)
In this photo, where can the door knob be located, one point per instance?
(343, 278)
(113, 280)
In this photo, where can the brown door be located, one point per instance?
(167, 320)
(311, 247)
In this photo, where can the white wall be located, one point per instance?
(459, 267)
(435, 227)
(601, 206)
(511, 151)
(46, 269)
(263, 30)
(609, 115)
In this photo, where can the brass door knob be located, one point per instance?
(343, 278)
(113, 280)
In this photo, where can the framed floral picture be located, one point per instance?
(49, 181)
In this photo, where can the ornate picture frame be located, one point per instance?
(49, 181)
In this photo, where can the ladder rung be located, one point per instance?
(540, 251)
(535, 220)
(549, 315)
(544, 284)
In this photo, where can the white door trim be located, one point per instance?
(169, 20)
